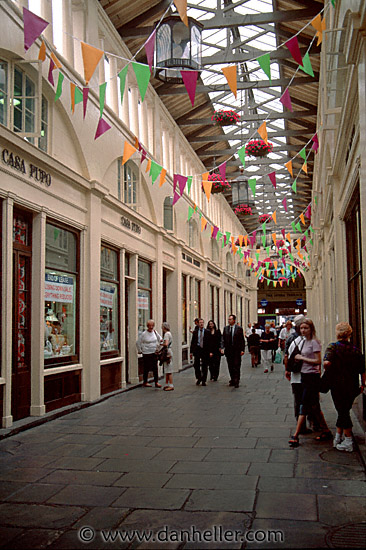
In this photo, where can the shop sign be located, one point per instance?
(130, 225)
(18, 164)
(264, 303)
(59, 288)
(299, 302)
(106, 296)
(142, 302)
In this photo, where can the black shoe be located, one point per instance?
(198, 382)
(204, 384)
(231, 383)
(236, 385)
(306, 431)
(271, 368)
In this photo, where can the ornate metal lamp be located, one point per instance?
(240, 192)
(177, 47)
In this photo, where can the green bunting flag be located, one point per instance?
(265, 64)
(316, 200)
(102, 89)
(298, 227)
(306, 233)
(293, 187)
(280, 253)
(190, 212)
(307, 68)
(155, 170)
(303, 154)
(189, 183)
(142, 73)
(311, 241)
(263, 240)
(59, 86)
(241, 155)
(219, 235)
(291, 257)
(252, 184)
(267, 265)
(223, 243)
(78, 95)
(122, 81)
(293, 227)
(311, 229)
(257, 256)
(268, 252)
(264, 227)
(228, 236)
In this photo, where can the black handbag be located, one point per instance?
(294, 365)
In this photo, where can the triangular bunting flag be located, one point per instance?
(284, 202)
(176, 198)
(293, 187)
(189, 183)
(305, 167)
(128, 151)
(293, 46)
(203, 223)
(150, 48)
(148, 165)
(72, 95)
(190, 212)
(190, 82)
(265, 64)
(207, 187)
(155, 170)
(315, 145)
(102, 89)
(78, 95)
(302, 153)
(102, 127)
(181, 6)
(50, 75)
(142, 73)
(56, 61)
(307, 68)
(162, 177)
(91, 58)
(33, 27)
(59, 86)
(241, 155)
(272, 177)
(286, 100)
(231, 77)
(289, 167)
(274, 216)
(122, 81)
(262, 131)
(222, 170)
(42, 52)
(252, 184)
(85, 100)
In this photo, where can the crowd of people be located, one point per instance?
(296, 347)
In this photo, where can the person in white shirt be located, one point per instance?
(147, 344)
(248, 331)
(284, 335)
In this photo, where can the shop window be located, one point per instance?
(168, 213)
(61, 296)
(128, 178)
(144, 294)
(109, 300)
(184, 309)
(22, 106)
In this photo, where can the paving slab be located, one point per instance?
(286, 506)
(221, 499)
(39, 515)
(286, 534)
(152, 497)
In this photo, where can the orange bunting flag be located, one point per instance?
(245, 240)
(268, 272)
(262, 131)
(240, 240)
(212, 229)
(263, 270)
(128, 151)
(281, 283)
(250, 260)
(275, 263)
(162, 177)
(148, 166)
(207, 187)
(298, 242)
(91, 58)
(235, 249)
(274, 237)
(305, 167)
(42, 52)
(274, 216)
(288, 237)
(319, 26)
(203, 223)
(231, 77)
(302, 219)
(205, 176)
(289, 167)
(291, 268)
(275, 283)
(181, 6)
(56, 61)
(72, 92)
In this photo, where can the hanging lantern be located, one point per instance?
(240, 192)
(177, 47)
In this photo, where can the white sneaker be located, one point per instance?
(337, 440)
(346, 445)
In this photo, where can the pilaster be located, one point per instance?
(7, 308)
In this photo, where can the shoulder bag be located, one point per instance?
(292, 364)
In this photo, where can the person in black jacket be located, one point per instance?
(198, 349)
(234, 345)
(254, 347)
(214, 350)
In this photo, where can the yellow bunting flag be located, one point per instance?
(302, 219)
(162, 177)
(275, 283)
(72, 92)
(128, 151)
(262, 131)
(56, 61)
(42, 52)
(268, 272)
(240, 240)
(203, 223)
(289, 167)
(231, 77)
(305, 167)
(281, 283)
(148, 166)
(250, 260)
(207, 187)
(274, 237)
(291, 268)
(274, 216)
(91, 58)
(181, 6)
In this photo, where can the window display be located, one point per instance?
(144, 294)
(109, 325)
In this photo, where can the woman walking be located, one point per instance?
(214, 347)
(343, 364)
(254, 347)
(310, 379)
(168, 363)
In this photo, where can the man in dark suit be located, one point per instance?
(200, 340)
(234, 346)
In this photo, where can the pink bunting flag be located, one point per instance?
(150, 48)
(143, 155)
(283, 231)
(190, 82)
(315, 140)
(33, 27)
(222, 170)
(176, 198)
(286, 100)
(284, 202)
(85, 100)
(50, 75)
(102, 127)
(214, 232)
(293, 46)
(272, 177)
(308, 212)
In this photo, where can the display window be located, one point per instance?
(144, 294)
(61, 296)
(109, 300)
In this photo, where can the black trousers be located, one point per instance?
(214, 366)
(150, 364)
(200, 365)
(234, 365)
(343, 404)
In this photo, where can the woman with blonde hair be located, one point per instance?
(343, 364)
(168, 360)
(310, 379)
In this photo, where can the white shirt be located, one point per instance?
(148, 342)
(284, 334)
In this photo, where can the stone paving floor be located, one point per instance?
(208, 460)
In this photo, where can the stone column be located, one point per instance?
(67, 40)
(144, 124)
(78, 30)
(125, 104)
(150, 127)
(133, 320)
(134, 113)
(7, 308)
(113, 83)
(171, 151)
(158, 132)
(362, 111)
(101, 62)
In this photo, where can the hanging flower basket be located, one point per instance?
(223, 118)
(284, 251)
(265, 218)
(280, 243)
(258, 148)
(218, 184)
(243, 209)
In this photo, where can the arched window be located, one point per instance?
(215, 251)
(128, 178)
(168, 213)
(193, 234)
(240, 271)
(229, 262)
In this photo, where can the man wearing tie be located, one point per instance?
(199, 351)
(234, 346)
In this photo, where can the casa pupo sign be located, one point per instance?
(18, 163)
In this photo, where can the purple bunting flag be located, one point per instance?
(33, 27)
(190, 82)
(150, 48)
(284, 202)
(315, 140)
(102, 127)
(85, 100)
(176, 198)
(222, 170)
(214, 232)
(293, 46)
(272, 177)
(286, 100)
(50, 75)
